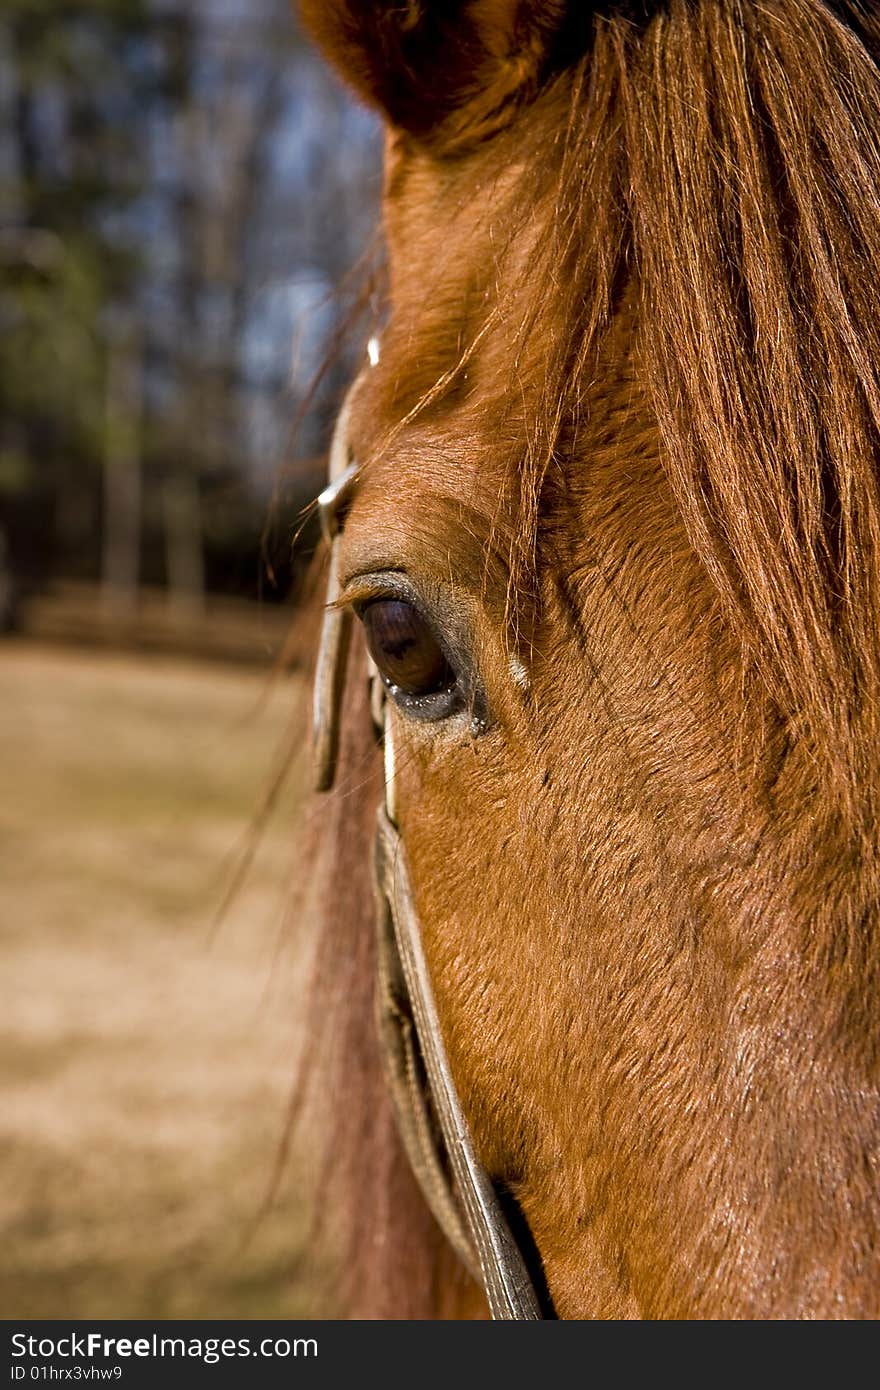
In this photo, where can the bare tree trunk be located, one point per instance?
(120, 569)
(184, 557)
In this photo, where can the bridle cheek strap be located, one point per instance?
(430, 1119)
(421, 1082)
(403, 1063)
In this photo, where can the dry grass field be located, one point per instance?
(145, 1054)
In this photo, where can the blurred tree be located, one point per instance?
(169, 170)
(70, 88)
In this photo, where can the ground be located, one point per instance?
(146, 1053)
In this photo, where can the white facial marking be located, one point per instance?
(519, 673)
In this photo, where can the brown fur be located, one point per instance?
(627, 420)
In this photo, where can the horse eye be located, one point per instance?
(404, 648)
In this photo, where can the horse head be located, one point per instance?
(614, 541)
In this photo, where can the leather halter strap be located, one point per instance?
(430, 1119)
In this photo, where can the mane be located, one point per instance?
(719, 180)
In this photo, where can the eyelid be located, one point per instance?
(357, 595)
(362, 589)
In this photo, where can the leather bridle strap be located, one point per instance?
(502, 1269)
(432, 1125)
(403, 1061)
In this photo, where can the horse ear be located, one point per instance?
(455, 66)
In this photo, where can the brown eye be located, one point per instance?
(408, 655)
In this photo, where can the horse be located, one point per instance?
(608, 514)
